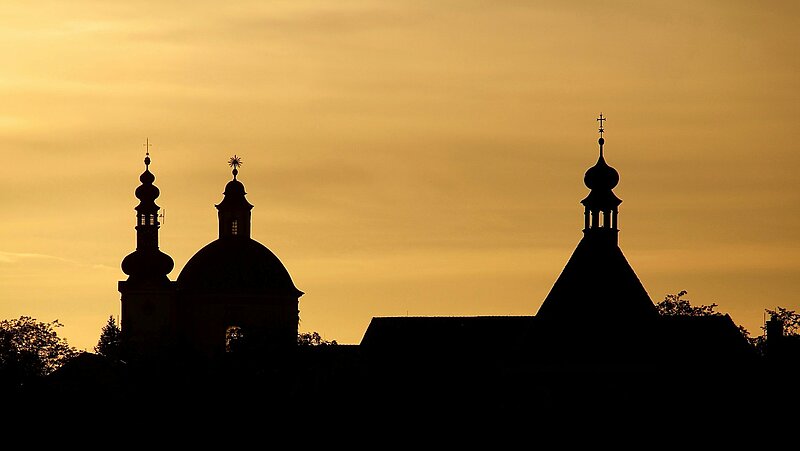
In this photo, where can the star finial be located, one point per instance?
(235, 162)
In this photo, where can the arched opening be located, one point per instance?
(234, 227)
(234, 339)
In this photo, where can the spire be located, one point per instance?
(601, 205)
(147, 261)
(598, 287)
(234, 210)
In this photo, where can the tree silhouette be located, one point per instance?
(313, 339)
(110, 340)
(789, 318)
(675, 305)
(30, 349)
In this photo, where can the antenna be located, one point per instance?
(162, 217)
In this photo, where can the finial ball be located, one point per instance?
(601, 141)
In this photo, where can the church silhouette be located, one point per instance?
(228, 326)
(234, 294)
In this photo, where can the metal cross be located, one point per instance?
(147, 146)
(601, 119)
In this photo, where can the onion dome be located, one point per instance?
(601, 176)
(147, 264)
(601, 180)
(147, 193)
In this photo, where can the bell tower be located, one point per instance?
(147, 296)
(598, 286)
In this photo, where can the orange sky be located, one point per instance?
(417, 157)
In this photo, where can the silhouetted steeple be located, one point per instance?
(147, 263)
(234, 210)
(601, 205)
(598, 284)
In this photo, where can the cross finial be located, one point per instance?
(601, 119)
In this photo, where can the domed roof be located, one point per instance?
(234, 188)
(601, 176)
(236, 265)
(147, 264)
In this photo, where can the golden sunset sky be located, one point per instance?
(403, 157)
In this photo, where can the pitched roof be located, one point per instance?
(597, 286)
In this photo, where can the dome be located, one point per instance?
(236, 265)
(147, 263)
(234, 187)
(601, 176)
(147, 192)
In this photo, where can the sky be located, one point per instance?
(403, 157)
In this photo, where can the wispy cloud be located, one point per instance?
(21, 257)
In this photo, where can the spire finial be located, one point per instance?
(235, 162)
(601, 141)
(147, 146)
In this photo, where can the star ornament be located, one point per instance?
(235, 162)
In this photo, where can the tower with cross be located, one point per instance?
(147, 296)
(598, 282)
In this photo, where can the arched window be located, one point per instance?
(152, 220)
(234, 339)
(141, 220)
(234, 227)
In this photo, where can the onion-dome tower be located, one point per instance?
(598, 285)
(147, 264)
(148, 296)
(601, 205)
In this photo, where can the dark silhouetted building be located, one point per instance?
(233, 295)
(597, 312)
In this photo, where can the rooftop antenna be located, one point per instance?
(162, 217)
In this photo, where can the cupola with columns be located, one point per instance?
(601, 206)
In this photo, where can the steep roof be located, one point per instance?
(597, 285)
